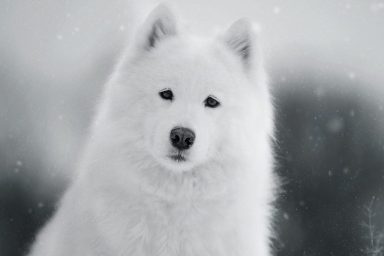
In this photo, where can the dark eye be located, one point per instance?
(166, 94)
(211, 102)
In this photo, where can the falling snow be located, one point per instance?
(348, 6)
(276, 10)
(377, 7)
(351, 75)
(319, 92)
(335, 124)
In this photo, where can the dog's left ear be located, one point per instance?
(160, 25)
(242, 39)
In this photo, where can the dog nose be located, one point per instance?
(182, 138)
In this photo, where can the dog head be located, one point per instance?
(191, 101)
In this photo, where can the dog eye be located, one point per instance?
(211, 102)
(166, 94)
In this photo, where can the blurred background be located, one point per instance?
(326, 63)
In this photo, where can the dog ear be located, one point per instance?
(242, 39)
(160, 25)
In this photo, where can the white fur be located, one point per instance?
(130, 198)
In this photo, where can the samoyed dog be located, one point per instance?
(179, 160)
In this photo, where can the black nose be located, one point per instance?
(182, 138)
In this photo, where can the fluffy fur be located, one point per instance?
(130, 198)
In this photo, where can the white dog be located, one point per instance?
(179, 160)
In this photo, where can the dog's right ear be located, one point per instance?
(160, 25)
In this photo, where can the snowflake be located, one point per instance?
(347, 39)
(319, 92)
(348, 6)
(276, 10)
(377, 7)
(351, 75)
(335, 125)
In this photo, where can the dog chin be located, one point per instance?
(176, 162)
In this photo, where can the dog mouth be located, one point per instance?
(178, 157)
